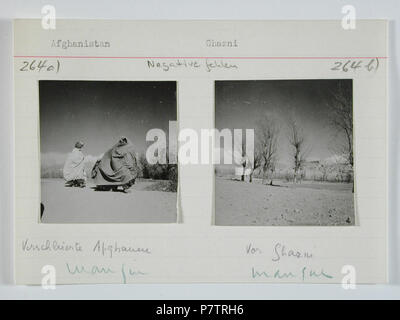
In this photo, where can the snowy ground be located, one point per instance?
(76, 205)
(309, 203)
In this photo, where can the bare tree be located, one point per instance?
(324, 169)
(257, 162)
(265, 150)
(341, 118)
(299, 153)
(266, 147)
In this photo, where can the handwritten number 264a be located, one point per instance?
(40, 65)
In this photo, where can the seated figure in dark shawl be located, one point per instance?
(117, 167)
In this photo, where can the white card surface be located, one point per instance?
(175, 235)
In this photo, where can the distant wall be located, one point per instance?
(317, 172)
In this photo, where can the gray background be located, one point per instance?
(185, 9)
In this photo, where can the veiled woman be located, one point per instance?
(117, 167)
(74, 167)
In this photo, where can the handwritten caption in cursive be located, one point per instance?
(280, 252)
(124, 271)
(99, 247)
(206, 64)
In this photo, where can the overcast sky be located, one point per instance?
(99, 112)
(240, 104)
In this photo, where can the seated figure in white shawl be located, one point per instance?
(74, 168)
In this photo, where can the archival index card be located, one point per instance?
(200, 151)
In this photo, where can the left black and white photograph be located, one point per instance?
(108, 151)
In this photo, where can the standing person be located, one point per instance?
(246, 168)
(74, 170)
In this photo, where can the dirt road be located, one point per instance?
(76, 205)
(243, 204)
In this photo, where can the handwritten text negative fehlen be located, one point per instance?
(192, 64)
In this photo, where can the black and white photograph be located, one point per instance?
(99, 162)
(298, 168)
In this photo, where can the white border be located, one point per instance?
(195, 10)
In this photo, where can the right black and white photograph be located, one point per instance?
(286, 153)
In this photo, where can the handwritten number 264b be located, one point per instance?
(345, 66)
